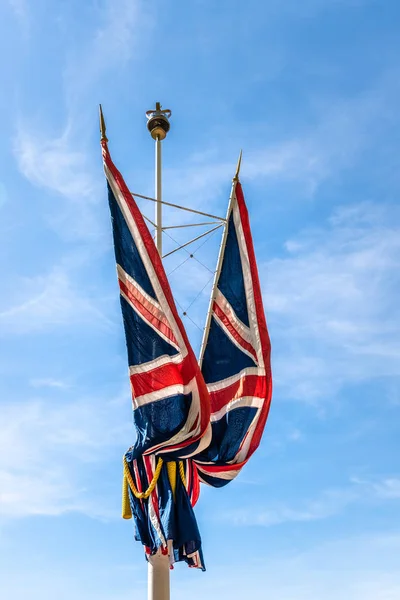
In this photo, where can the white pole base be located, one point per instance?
(158, 577)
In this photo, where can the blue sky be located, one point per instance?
(310, 90)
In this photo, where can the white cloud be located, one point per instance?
(348, 568)
(332, 302)
(49, 383)
(89, 575)
(62, 163)
(48, 302)
(386, 489)
(295, 436)
(54, 164)
(67, 171)
(343, 130)
(51, 455)
(20, 10)
(200, 183)
(327, 504)
(122, 31)
(389, 488)
(363, 567)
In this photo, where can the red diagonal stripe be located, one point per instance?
(161, 377)
(248, 385)
(230, 327)
(146, 309)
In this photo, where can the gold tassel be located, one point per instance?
(126, 505)
(171, 470)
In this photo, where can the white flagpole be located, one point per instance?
(158, 195)
(158, 580)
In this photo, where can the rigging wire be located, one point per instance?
(201, 291)
(184, 313)
(192, 241)
(192, 255)
(180, 264)
(194, 323)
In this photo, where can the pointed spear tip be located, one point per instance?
(103, 136)
(236, 178)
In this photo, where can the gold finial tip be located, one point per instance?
(103, 136)
(236, 178)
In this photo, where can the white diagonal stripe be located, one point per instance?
(233, 339)
(249, 401)
(220, 385)
(226, 308)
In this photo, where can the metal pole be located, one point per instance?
(158, 195)
(158, 579)
(158, 584)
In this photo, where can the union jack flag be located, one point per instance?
(236, 361)
(171, 407)
(164, 373)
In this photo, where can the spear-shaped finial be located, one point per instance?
(236, 178)
(103, 137)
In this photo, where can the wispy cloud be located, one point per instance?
(50, 301)
(385, 489)
(349, 567)
(49, 383)
(328, 504)
(295, 435)
(60, 161)
(54, 164)
(122, 30)
(343, 130)
(21, 11)
(57, 452)
(70, 175)
(332, 302)
(201, 181)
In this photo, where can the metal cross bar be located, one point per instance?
(196, 212)
(190, 225)
(149, 220)
(193, 240)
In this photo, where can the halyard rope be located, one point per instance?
(128, 481)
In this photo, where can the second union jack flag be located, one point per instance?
(236, 362)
